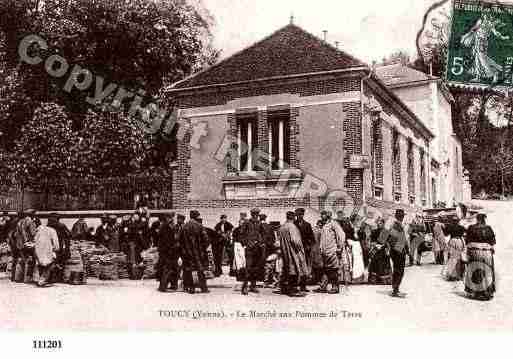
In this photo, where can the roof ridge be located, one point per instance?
(336, 55)
(232, 55)
(330, 46)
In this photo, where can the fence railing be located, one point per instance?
(105, 194)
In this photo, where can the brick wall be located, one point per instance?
(353, 145)
(305, 88)
(351, 121)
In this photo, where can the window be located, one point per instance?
(411, 179)
(377, 152)
(279, 138)
(422, 174)
(378, 193)
(396, 163)
(246, 141)
(433, 190)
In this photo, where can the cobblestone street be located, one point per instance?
(431, 304)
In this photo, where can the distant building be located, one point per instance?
(314, 120)
(431, 101)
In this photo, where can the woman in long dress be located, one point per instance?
(357, 263)
(454, 269)
(480, 272)
(380, 269)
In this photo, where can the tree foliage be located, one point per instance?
(44, 151)
(140, 45)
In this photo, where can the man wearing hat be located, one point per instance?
(194, 243)
(295, 269)
(332, 242)
(308, 240)
(252, 239)
(398, 243)
(113, 233)
(25, 232)
(224, 229)
(102, 233)
(4, 220)
(168, 248)
(64, 252)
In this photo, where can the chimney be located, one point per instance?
(336, 44)
(325, 34)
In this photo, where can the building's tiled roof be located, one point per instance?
(398, 74)
(289, 51)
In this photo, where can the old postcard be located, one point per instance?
(222, 165)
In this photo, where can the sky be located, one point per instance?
(366, 29)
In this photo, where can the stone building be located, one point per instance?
(431, 101)
(293, 121)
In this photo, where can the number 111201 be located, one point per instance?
(46, 344)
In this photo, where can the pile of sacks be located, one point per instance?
(150, 259)
(91, 256)
(74, 271)
(121, 261)
(108, 268)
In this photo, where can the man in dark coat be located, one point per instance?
(168, 248)
(251, 238)
(102, 232)
(124, 234)
(64, 252)
(194, 242)
(4, 226)
(295, 269)
(308, 240)
(398, 250)
(224, 229)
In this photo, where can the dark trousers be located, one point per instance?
(188, 281)
(44, 274)
(168, 274)
(329, 276)
(16, 255)
(439, 257)
(218, 249)
(398, 263)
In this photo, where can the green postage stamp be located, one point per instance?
(480, 51)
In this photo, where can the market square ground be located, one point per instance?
(432, 304)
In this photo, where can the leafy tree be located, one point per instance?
(105, 134)
(138, 45)
(44, 150)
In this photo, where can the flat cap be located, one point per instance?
(255, 210)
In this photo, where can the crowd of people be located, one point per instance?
(289, 257)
